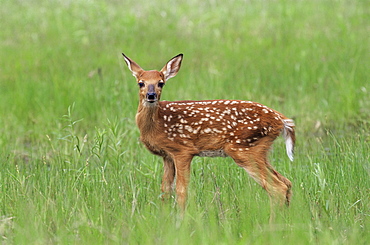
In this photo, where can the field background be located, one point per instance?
(72, 168)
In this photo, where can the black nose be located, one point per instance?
(151, 97)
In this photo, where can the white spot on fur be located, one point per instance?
(189, 128)
(217, 131)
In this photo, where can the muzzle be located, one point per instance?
(151, 96)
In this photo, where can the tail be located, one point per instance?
(289, 135)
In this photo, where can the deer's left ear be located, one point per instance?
(134, 68)
(172, 67)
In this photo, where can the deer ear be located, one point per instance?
(172, 67)
(134, 68)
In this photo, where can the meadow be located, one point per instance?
(74, 172)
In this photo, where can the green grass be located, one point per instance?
(72, 167)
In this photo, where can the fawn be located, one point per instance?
(179, 130)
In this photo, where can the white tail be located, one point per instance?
(179, 130)
(289, 136)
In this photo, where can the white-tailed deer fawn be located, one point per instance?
(179, 130)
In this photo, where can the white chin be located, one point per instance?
(150, 103)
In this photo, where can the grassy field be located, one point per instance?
(74, 172)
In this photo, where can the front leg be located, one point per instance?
(182, 165)
(168, 177)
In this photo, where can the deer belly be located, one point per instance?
(212, 153)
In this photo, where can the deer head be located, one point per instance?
(151, 82)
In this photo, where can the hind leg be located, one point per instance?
(286, 189)
(254, 161)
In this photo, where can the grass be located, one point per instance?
(73, 170)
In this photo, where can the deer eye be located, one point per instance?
(161, 84)
(141, 84)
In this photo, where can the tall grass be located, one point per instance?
(74, 171)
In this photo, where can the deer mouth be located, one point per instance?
(151, 97)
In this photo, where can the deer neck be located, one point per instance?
(147, 118)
